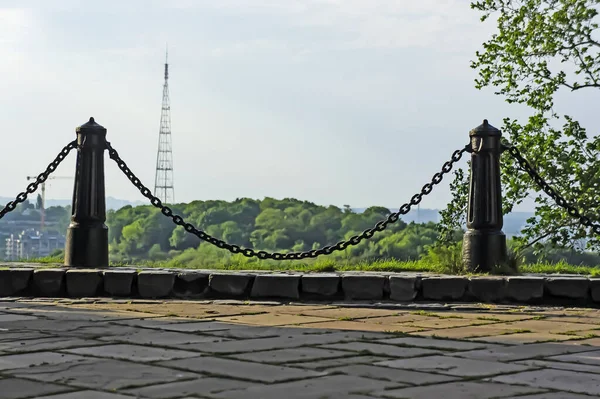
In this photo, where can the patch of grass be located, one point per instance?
(346, 318)
(440, 261)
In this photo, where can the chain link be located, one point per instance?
(313, 253)
(552, 193)
(42, 177)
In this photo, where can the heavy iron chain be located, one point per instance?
(552, 193)
(42, 177)
(249, 252)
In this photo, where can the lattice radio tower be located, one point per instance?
(163, 182)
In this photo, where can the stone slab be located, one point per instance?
(290, 355)
(321, 285)
(444, 287)
(370, 287)
(241, 370)
(430, 343)
(524, 288)
(193, 387)
(49, 282)
(87, 395)
(595, 289)
(324, 387)
(390, 374)
(83, 283)
(460, 390)
(135, 353)
(276, 286)
(404, 288)
(103, 374)
(35, 359)
(16, 388)
(230, 284)
(381, 349)
(155, 284)
(119, 282)
(564, 380)
(14, 281)
(191, 285)
(522, 352)
(454, 366)
(487, 289)
(568, 287)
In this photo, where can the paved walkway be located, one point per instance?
(229, 349)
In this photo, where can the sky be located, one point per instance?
(338, 102)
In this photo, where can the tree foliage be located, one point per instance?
(542, 49)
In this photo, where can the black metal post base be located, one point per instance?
(86, 247)
(482, 250)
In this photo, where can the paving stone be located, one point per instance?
(193, 387)
(487, 289)
(403, 288)
(527, 338)
(191, 285)
(101, 374)
(83, 283)
(453, 366)
(135, 353)
(14, 281)
(44, 344)
(163, 338)
(153, 284)
(394, 375)
(7, 317)
(276, 286)
(34, 359)
(564, 380)
(320, 285)
(290, 355)
(380, 349)
(363, 286)
(119, 282)
(560, 365)
(200, 326)
(259, 344)
(568, 287)
(555, 395)
(16, 335)
(337, 362)
(87, 395)
(443, 288)
(230, 284)
(522, 352)
(49, 282)
(270, 319)
(313, 388)
(592, 358)
(460, 390)
(242, 370)
(16, 388)
(524, 289)
(440, 344)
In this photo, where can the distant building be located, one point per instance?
(31, 244)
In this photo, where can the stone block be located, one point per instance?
(568, 287)
(276, 286)
(361, 286)
(404, 288)
(444, 287)
(524, 288)
(230, 284)
(49, 282)
(595, 289)
(83, 283)
(191, 285)
(119, 282)
(324, 285)
(155, 284)
(487, 289)
(14, 281)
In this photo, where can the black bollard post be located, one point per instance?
(484, 243)
(87, 236)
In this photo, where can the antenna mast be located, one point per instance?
(163, 182)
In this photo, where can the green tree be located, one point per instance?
(541, 48)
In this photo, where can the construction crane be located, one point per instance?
(43, 207)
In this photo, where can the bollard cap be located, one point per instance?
(485, 130)
(91, 127)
